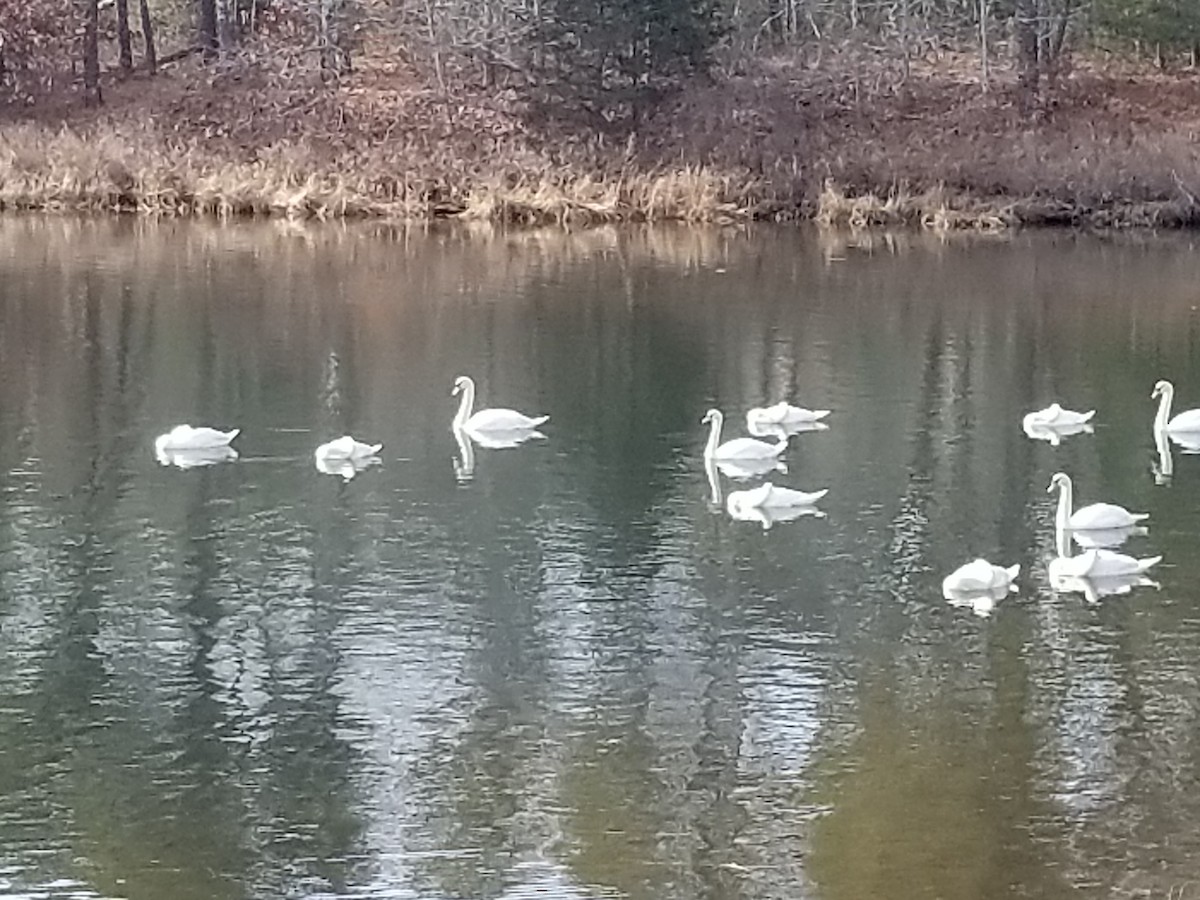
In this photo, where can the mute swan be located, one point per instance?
(185, 437)
(782, 414)
(739, 448)
(1092, 517)
(980, 602)
(191, 459)
(770, 515)
(979, 576)
(1096, 564)
(488, 419)
(346, 447)
(764, 429)
(1099, 573)
(1186, 421)
(742, 469)
(768, 496)
(1054, 416)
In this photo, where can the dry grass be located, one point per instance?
(786, 139)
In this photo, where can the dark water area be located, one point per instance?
(562, 669)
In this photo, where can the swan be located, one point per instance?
(738, 448)
(766, 429)
(344, 448)
(768, 496)
(979, 576)
(185, 437)
(191, 459)
(1095, 588)
(782, 413)
(488, 419)
(1096, 516)
(770, 515)
(1054, 416)
(1186, 421)
(980, 602)
(1097, 564)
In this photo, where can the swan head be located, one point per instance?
(460, 384)
(713, 415)
(1162, 387)
(1059, 481)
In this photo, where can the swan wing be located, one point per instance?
(502, 420)
(781, 496)
(1104, 515)
(749, 448)
(1188, 420)
(976, 575)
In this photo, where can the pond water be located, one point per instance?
(562, 669)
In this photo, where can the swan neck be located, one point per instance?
(465, 404)
(714, 436)
(1164, 410)
(1065, 503)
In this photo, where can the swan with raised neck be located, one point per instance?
(1093, 516)
(738, 448)
(487, 419)
(1188, 420)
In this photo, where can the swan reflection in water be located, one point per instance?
(464, 462)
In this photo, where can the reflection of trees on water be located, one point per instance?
(571, 672)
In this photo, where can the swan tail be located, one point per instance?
(1139, 517)
(1087, 416)
(1013, 572)
(820, 413)
(1148, 561)
(538, 420)
(230, 435)
(372, 449)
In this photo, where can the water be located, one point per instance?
(571, 674)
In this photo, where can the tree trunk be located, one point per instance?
(148, 37)
(124, 41)
(334, 60)
(984, 60)
(208, 28)
(91, 52)
(226, 25)
(1029, 72)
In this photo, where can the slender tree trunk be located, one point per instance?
(148, 37)
(208, 27)
(1029, 71)
(124, 41)
(984, 61)
(226, 25)
(91, 52)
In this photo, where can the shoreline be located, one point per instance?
(775, 145)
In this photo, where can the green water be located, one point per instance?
(561, 669)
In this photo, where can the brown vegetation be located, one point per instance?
(846, 141)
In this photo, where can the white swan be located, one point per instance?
(1187, 421)
(488, 419)
(770, 515)
(1096, 516)
(768, 496)
(191, 459)
(185, 437)
(743, 469)
(979, 602)
(1095, 588)
(346, 447)
(1096, 564)
(782, 413)
(764, 429)
(738, 448)
(1054, 416)
(979, 576)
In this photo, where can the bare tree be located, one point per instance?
(207, 19)
(91, 52)
(124, 41)
(148, 37)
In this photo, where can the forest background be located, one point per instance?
(946, 113)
